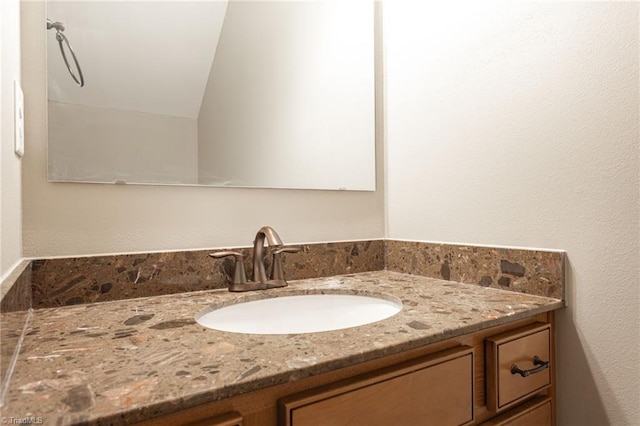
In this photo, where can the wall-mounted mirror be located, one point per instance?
(276, 94)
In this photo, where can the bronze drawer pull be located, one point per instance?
(536, 361)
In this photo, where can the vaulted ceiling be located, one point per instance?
(145, 56)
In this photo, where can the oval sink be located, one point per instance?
(309, 313)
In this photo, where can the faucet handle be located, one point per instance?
(286, 250)
(239, 276)
(277, 270)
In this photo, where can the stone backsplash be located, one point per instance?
(71, 281)
(522, 270)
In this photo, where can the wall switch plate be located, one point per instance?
(19, 118)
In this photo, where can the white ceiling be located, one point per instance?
(146, 56)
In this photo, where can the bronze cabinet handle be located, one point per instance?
(542, 365)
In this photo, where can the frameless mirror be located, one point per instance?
(276, 94)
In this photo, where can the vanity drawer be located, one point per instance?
(227, 419)
(436, 389)
(196, 416)
(518, 365)
(537, 412)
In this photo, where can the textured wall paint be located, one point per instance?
(517, 124)
(75, 219)
(10, 165)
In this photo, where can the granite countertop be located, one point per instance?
(124, 361)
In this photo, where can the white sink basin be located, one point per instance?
(309, 313)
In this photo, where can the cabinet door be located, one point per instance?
(437, 389)
(518, 365)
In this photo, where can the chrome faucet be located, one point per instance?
(260, 281)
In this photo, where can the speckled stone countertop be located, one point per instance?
(123, 361)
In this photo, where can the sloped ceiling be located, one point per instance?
(145, 56)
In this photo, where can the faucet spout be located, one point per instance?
(273, 239)
(260, 280)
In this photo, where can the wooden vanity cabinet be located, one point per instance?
(435, 389)
(447, 381)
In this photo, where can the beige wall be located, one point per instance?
(517, 125)
(10, 164)
(75, 219)
(96, 144)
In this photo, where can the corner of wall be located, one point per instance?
(10, 163)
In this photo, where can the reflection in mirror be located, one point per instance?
(276, 94)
